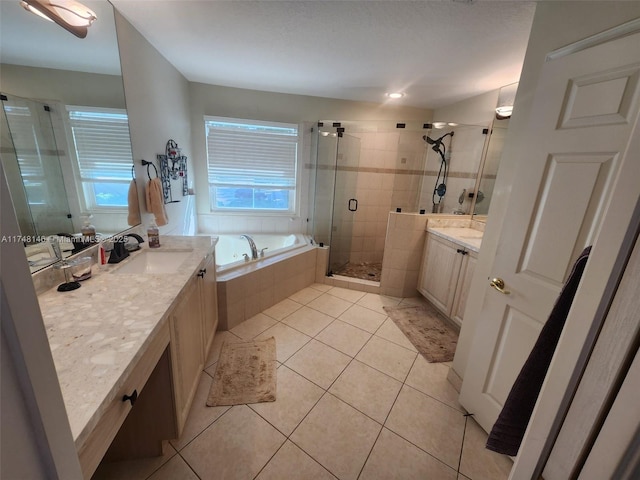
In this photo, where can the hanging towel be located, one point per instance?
(155, 202)
(508, 431)
(134, 205)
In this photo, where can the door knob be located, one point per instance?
(498, 284)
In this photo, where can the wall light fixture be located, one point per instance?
(506, 99)
(69, 14)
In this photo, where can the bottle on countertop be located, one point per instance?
(153, 235)
(88, 231)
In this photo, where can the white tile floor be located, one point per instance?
(355, 401)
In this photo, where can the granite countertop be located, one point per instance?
(99, 331)
(469, 238)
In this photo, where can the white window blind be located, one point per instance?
(251, 165)
(103, 152)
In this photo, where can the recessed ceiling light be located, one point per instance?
(395, 95)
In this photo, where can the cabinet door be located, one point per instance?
(464, 283)
(440, 268)
(186, 349)
(209, 295)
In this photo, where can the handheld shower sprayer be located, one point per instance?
(438, 146)
(437, 143)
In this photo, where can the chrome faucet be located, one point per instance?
(252, 244)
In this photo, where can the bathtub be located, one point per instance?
(244, 289)
(231, 248)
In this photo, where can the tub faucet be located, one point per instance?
(252, 244)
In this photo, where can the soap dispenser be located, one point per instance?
(153, 235)
(88, 230)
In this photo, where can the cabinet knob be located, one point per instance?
(202, 272)
(498, 284)
(132, 398)
(463, 252)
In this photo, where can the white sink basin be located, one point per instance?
(148, 262)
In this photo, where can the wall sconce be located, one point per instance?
(506, 99)
(69, 14)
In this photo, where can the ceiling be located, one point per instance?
(438, 52)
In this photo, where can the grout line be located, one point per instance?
(190, 467)
(464, 433)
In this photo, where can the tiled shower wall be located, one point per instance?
(465, 148)
(389, 175)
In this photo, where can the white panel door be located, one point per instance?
(584, 112)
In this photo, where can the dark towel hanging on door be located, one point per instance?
(508, 431)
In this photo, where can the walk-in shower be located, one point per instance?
(366, 169)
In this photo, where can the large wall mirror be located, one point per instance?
(493, 152)
(65, 144)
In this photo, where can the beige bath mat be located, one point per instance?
(426, 330)
(246, 373)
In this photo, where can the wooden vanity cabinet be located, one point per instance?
(445, 275)
(465, 276)
(193, 323)
(209, 295)
(187, 359)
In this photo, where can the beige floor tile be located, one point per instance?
(295, 397)
(253, 326)
(133, 469)
(390, 331)
(394, 457)
(309, 321)
(387, 357)
(337, 436)
(363, 318)
(305, 295)
(321, 286)
(434, 427)
(346, 294)
(200, 416)
(288, 340)
(174, 469)
(236, 446)
(282, 309)
(367, 390)
(344, 337)
(479, 463)
(319, 363)
(291, 463)
(218, 340)
(462, 477)
(375, 302)
(431, 378)
(330, 305)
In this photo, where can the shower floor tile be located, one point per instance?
(363, 271)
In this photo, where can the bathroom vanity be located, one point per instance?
(129, 347)
(448, 261)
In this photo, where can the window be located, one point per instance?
(252, 165)
(103, 152)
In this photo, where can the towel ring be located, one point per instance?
(144, 162)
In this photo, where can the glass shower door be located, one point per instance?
(33, 168)
(345, 202)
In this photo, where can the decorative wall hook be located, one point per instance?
(173, 166)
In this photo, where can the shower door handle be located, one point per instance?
(353, 205)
